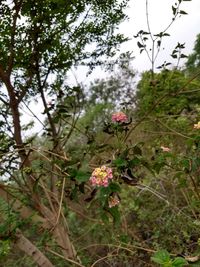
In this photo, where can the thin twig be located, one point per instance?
(147, 188)
(61, 200)
(33, 113)
(103, 258)
(62, 257)
(120, 247)
(174, 131)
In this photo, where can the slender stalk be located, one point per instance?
(62, 257)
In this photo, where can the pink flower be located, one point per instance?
(197, 126)
(165, 149)
(113, 201)
(119, 117)
(101, 176)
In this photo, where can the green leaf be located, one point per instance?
(145, 32)
(4, 248)
(140, 45)
(174, 9)
(134, 162)
(183, 56)
(104, 217)
(166, 34)
(158, 43)
(137, 150)
(114, 187)
(35, 186)
(105, 192)
(161, 257)
(82, 176)
(114, 211)
(2, 123)
(119, 162)
(179, 262)
(182, 12)
(186, 164)
(73, 193)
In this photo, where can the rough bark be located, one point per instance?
(30, 249)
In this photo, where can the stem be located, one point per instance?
(14, 106)
(62, 257)
(40, 88)
(17, 8)
(174, 131)
(152, 60)
(195, 187)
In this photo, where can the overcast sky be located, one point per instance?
(183, 30)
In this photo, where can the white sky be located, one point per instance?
(183, 30)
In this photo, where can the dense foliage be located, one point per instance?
(113, 178)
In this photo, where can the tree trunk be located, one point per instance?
(30, 249)
(47, 221)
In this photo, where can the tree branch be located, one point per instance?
(30, 249)
(17, 8)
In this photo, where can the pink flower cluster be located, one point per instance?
(119, 117)
(101, 176)
(165, 149)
